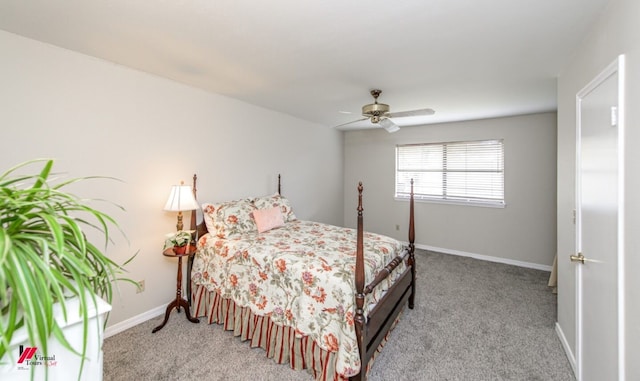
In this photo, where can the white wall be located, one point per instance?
(616, 32)
(98, 118)
(524, 231)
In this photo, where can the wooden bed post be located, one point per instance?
(359, 316)
(412, 259)
(193, 212)
(280, 193)
(193, 227)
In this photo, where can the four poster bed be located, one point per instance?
(289, 287)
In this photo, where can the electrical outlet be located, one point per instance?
(397, 227)
(140, 286)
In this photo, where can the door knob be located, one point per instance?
(578, 258)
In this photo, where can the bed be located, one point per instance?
(316, 296)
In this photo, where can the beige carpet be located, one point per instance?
(473, 320)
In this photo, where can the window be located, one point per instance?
(458, 172)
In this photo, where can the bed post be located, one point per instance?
(412, 259)
(195, 196)
(359, 316)
(193, 227)
(280, 193)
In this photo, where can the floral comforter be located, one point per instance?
(301, 275)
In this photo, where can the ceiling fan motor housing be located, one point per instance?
(375, 111)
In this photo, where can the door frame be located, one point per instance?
(617, 66)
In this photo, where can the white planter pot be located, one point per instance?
(61, 363)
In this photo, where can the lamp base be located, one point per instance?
(179, 225)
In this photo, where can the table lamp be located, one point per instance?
(181, 199)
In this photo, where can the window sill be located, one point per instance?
(494, 205)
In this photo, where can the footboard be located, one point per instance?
(371, 331)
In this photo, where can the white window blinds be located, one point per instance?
(468, 172)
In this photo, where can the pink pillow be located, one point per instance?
(276, 200)
(267, 219)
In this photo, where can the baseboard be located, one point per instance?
(132, 322)
(488, 258)
(567, 349)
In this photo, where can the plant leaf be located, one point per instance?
(45, 256)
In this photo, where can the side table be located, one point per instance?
(179, 301)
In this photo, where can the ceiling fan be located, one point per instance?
(378, 113)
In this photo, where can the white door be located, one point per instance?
(598, 222)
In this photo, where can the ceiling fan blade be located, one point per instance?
(353, 121)
(388, 125)
(402, 114)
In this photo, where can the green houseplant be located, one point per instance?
(46, 258)
(180, 240)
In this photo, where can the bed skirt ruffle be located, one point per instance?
(279, 342)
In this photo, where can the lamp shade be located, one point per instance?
(180, 199)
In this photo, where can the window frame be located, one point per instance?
(441, 168)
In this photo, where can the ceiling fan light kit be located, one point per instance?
(379, 113)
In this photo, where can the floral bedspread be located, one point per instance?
(301, 275)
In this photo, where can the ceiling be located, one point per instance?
(317, 60)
